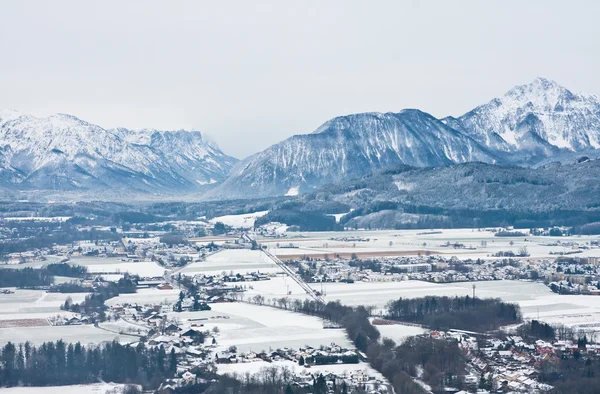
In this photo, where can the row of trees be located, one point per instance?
(37, 277)
(25, 278)
(56, 363)
(465, 313)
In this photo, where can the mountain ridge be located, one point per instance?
(527, 125)
(63, 152)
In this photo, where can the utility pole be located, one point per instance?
(474, 294)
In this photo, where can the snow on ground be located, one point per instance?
(96, 388)
(535, 299)
(483, 243)
(124, 327)
(34, 304)
(146, 297)
(276, 287)
(102, 265)
(399, 332)
(236, 260)
(245, 220)
(257, 328)
(116, 265)
(338, 216)
(86, 334)
(293, 191)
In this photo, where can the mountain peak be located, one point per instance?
(540, 88)
(7, 115)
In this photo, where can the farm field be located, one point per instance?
(237, 260)
(146, 297)
(477, 244)
(535, 299)
(101, 265)
(257, 328)
(86, 334)
(399, 332)
(34, 304)
(116, 265)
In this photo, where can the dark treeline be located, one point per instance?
(66, 269)
(37, 277)
(537, 330)
(464, 313)
(25, 278)
(585, 222)
(56, 363)
(306, 216)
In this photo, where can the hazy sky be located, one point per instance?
(251, 73)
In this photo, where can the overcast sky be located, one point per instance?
(252, 73)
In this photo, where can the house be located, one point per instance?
(189, 377)
(166, 388)
(191, 333)
(171, 329)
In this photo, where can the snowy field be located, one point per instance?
(102, 265)
(536, 299)
(399, 332)
(34, 304)
(86, 334)
(237, 260)
(258, 328)
(276, 287)
(116, 265)
(411, 242)
(146, 297)
(239, 221)
(96, 388)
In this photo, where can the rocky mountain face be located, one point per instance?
(528, 125)
(534, 121)
(64, 153)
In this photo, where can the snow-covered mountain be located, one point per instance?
(62, 152)
(534, 121)
(527, 125)
(347, 147)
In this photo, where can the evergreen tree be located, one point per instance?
(173, 362)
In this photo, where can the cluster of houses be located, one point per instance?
(304, 356)
(511, 364)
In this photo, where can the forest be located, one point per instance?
(58, 363)
(39, 277)
(577, 374)
(464, 313)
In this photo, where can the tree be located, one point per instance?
(173, 361)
